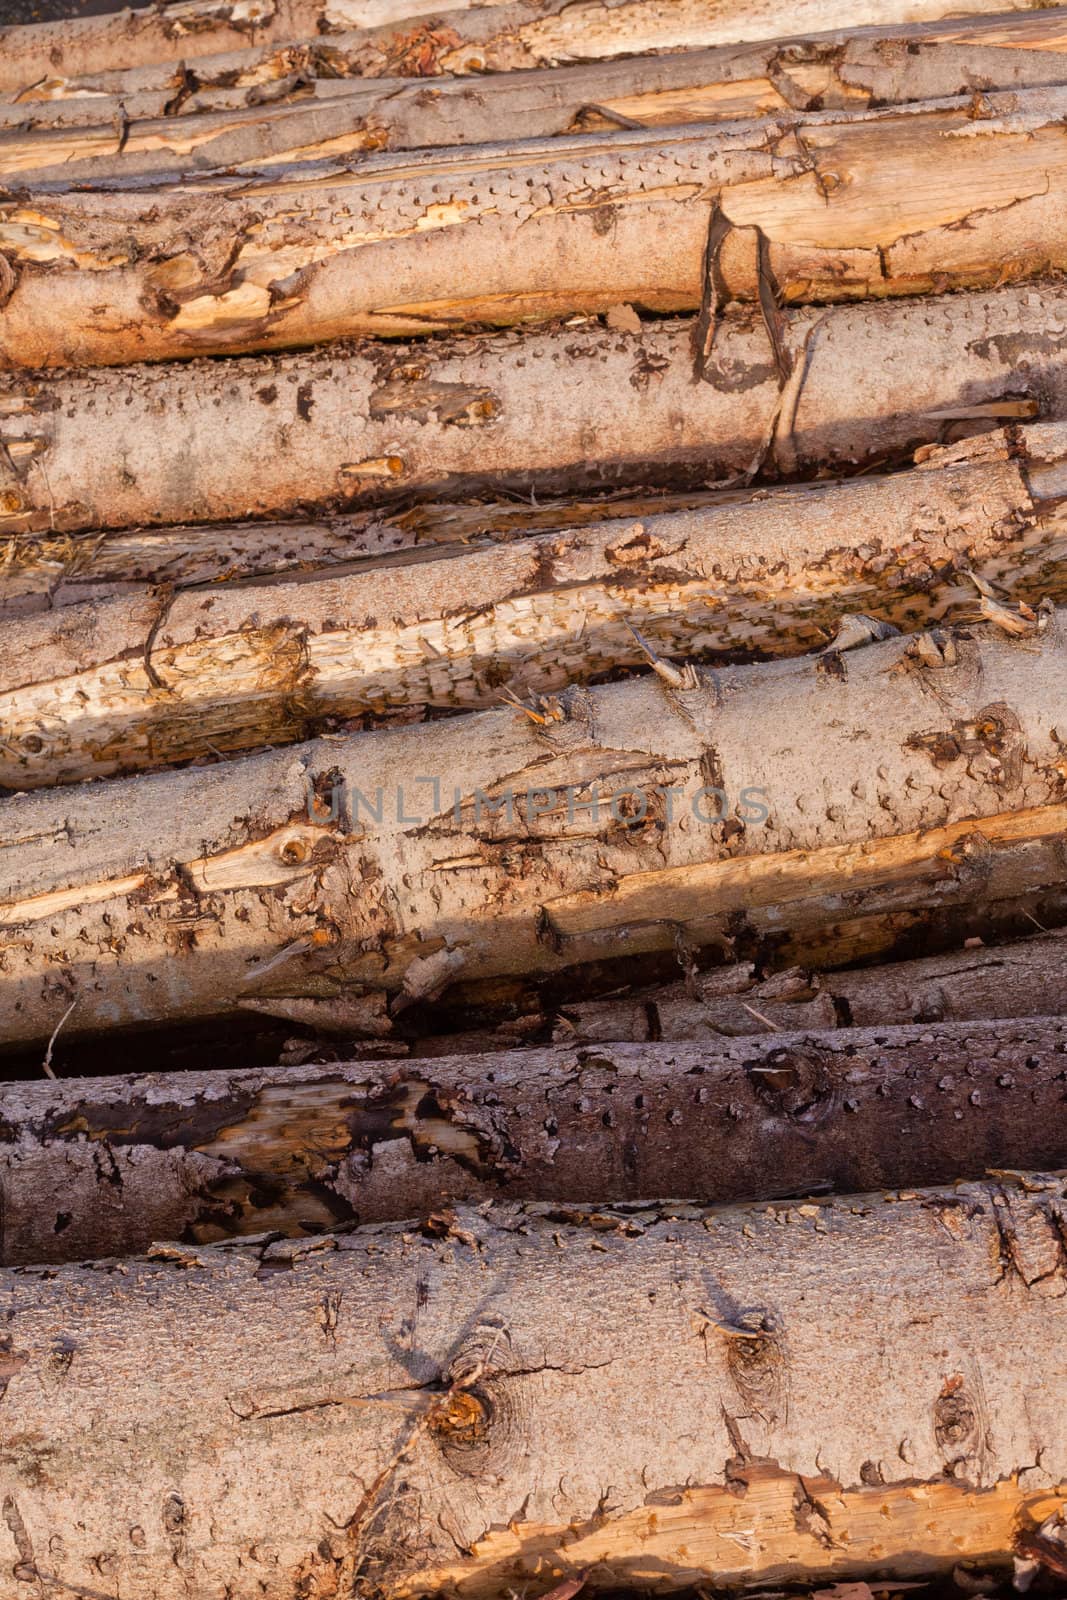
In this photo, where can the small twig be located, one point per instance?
(46, 1064)
(618, 117)
(760, 1017)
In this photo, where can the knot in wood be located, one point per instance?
(794, 1082)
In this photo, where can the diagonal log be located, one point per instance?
(145, 680)
(518, 1394)
(106, 1166)
(824, 206)
(556, 412)
(293, 104)
(791, 800)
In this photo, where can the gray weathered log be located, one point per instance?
(1022, 978)
(555, 412)
(277, 107)
(653, 1397)
(137, 682)
(107, 1166)
(819, 206)
(795, 798)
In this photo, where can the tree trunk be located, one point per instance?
(556, 412)
(837, 206)
(653, 1397)
(57, 59)
(793, 798)
(106, 1166)
(281, 108)
(142, 681)
(1020, 979)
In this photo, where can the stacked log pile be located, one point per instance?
(533, 799)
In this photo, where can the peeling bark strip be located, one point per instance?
(401, 1411)
(568, 409)
(1020, 979)
(836, 206)
(260, 108)
(105, 688)
(498, 843)
(105, 1166)
(252, 46)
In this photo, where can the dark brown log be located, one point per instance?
(106, 1166)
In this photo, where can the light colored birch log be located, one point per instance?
(263, 115)
(188, 29)
(43, 571)
(57, 59)
(508, 1396)
(148, 679)
(107, 1166)
(1022, 978)
(792, 799)
(551, 412)
(830, 206)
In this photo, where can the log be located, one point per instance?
(554, 412)
(1018, 979)
(96, 1167)
(143, 681)
(509, 1396)
(49, 570)
(280, 109)
(774, 801)
(254, 39)
(182, 28)
(833, 206)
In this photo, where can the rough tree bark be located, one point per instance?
(828, 206)
(502, 842)
(255, 41)
(141, 680)
(515, 1394)
(1020, 979)
(108, 1166)
(554, 412)
(261, 114)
